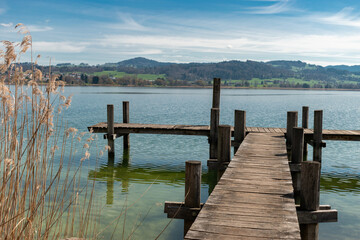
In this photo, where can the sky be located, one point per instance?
(323, 32)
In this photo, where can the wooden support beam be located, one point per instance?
(224, 144)
(292, 121)
(318, 216)
(311, 143)
(309, 197)
(126, 119)
(305, 125)
(110, 130)
(297, 157)
(317, 137)
(239, 128)
(213, 139)
(178, 210)
(216, 93)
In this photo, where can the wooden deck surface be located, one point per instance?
(253, 199)
(202, 130)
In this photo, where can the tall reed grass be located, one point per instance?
(41, 193)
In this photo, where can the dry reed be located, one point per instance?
(41, 195)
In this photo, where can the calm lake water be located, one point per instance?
(153, 171)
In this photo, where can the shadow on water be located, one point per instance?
(340, 182)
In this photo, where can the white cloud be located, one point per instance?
(36, 28)
(127, 22)
(7, 24)
(278, 7)
(345, 17)
(59, 47)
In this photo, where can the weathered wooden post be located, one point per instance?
(214, 124)
(239, 128)
(192, 189)
(305, 125)
(317, 139)
(110, 131)
(297, 158)
(126, 119)
(224, 145)
(292, 121)
(216, 93)
(309, 197)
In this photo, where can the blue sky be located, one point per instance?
(95, 32)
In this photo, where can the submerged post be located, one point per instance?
(297, 158)
(214, 124)
(216, 93)
(239, 128)
(192, 189)
(224, 145)
(305, 125)
(309, 197)
(292, 121)
(110, 130)
(126, 119)
(318, 120)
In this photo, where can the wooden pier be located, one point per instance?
(257, 189)
(254, 197)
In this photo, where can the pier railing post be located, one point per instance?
(317, 139)
(292, 121)
(192, 189)
(309, 197)
(297, 158)
(126, 119)
(214, 124)
(110, 130)
(224, 145)
(239, 128)
(305, 125)
(216, 93)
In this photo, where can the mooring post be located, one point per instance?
(110, 131)
(317, 139)
(192, 189)
(297, 158)
(126, 119)
(216, 93)
(214, 124)
(305, 125)
(224, 145)
(309, 197)
(239, 128)
(292, 121)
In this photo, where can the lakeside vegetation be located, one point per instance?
(249, 74)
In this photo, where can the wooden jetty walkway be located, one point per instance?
(254, 197)
(257, 189)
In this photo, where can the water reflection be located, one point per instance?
(123, 172)
(340, 182)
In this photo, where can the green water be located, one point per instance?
(153, 171)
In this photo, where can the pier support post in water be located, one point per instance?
(192, 189)
(126, 119)
(239, 128)
(296, 158)
(216, 93)
(309, 197)
(110, 131)
(189, 209)
(214, 124)
(291, 122)
(305, 125)
(317, 139)
(224, 147)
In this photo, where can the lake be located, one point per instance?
(153, 171)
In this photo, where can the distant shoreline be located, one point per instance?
(209, 87)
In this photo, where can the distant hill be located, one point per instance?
(354, 68)
(141, 62)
